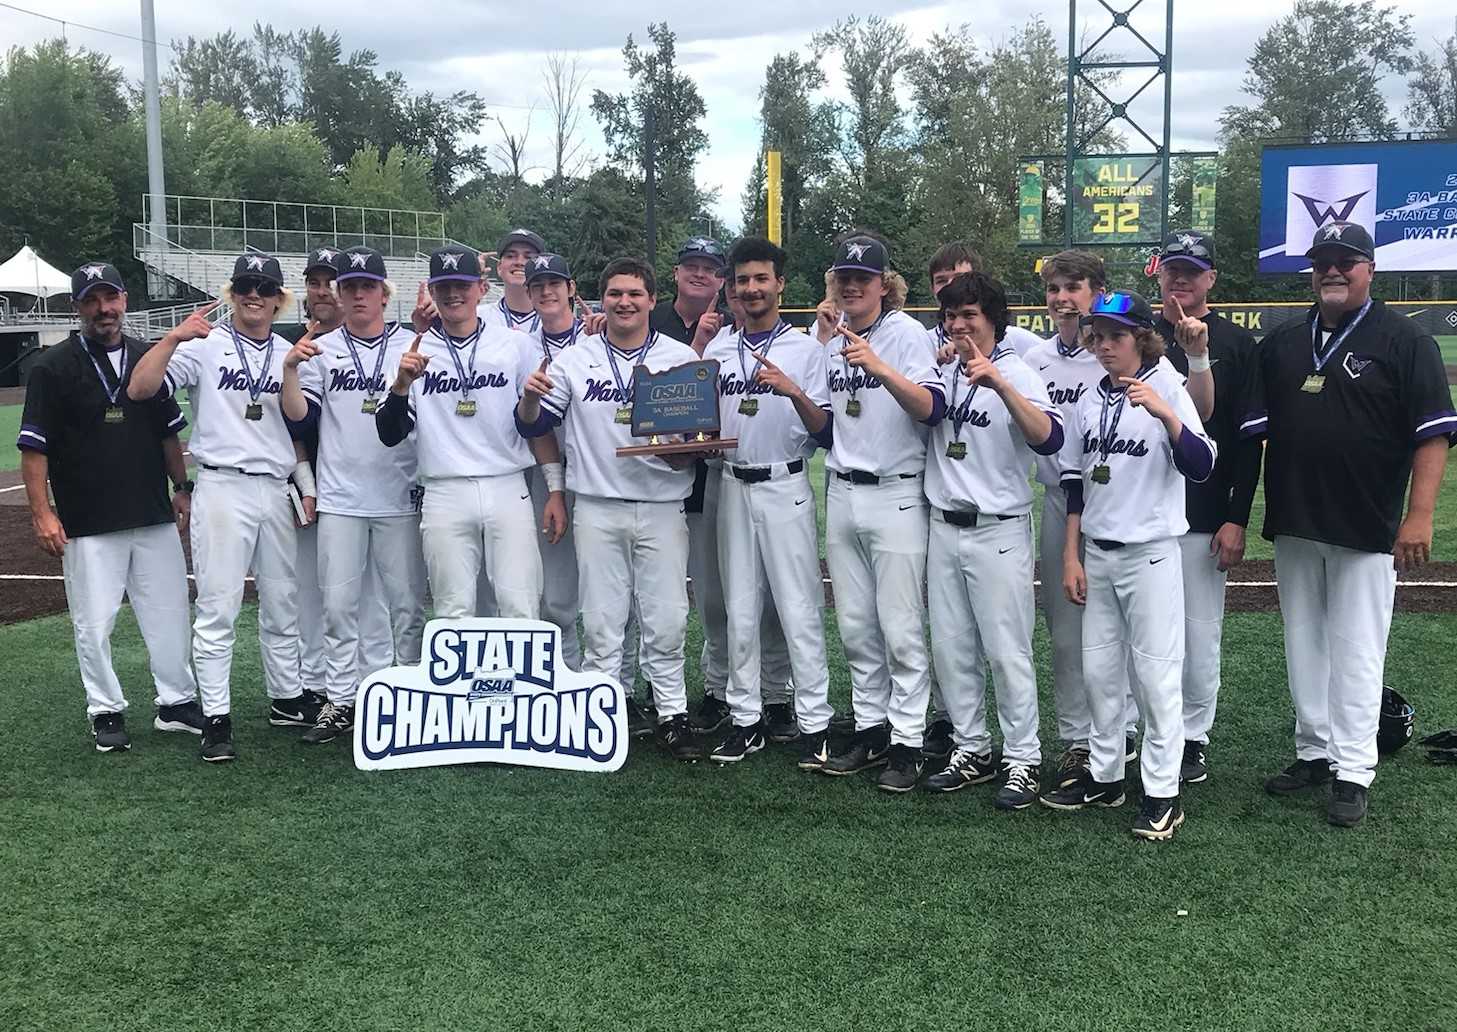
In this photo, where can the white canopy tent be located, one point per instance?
(28, 273)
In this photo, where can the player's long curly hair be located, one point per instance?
(1150, 345)
(895, 289)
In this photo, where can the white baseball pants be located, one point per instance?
(382, 551)
(875, 542)
(635, 552)
(470, 525)
(708, 593)
(768, 552)
(1134, 623)
(147, 564)
(1203, 634)
(982, 612)
(241, 524)
(376, 639)
(1336, 606)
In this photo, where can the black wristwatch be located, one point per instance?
(183, 488)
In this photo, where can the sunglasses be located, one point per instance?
(1343, 264)
(255, 285)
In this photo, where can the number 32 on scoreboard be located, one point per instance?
(1115, 218)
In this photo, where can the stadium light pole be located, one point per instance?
(156, 181)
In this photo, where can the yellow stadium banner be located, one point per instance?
(774, 229)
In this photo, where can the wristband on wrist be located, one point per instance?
(303, 478)
(1199, 363)
(556, 476)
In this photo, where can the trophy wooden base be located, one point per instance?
(656, 447)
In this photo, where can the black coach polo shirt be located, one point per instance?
(1229, 492)
(666, 320)
(105, 476)
(1340, 440)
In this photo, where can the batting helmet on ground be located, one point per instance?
(1398, 721)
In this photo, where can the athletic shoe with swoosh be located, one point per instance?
(1158, 818)
(1084, 792)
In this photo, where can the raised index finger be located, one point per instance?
(207, 309)
(415, 344)
(1178, 308)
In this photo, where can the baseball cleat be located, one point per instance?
(865, 749)
(185, 717)
(217, 739)
(741, 742)
(816, 750)
(937, 743)
(966, 768)
(1195, 767)
(638, 723)
(1072, 766)
(676, 735)
(1086, 792)
(780, 723)
(1347, 805)
(333, 721)
(710, 716)
(1158, 818)
(1299, 776)
(902, 770)
(1019, 791)
(300, 711)
(109, 731)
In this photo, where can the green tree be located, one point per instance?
(1432, 90)
(399, 179)
(802, 129)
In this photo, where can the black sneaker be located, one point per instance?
(902, 769)
(676, 735)
(711, 715)
(1299, 776)
(300, 711)
(109, 730)
(1130, 748)
(965, 768)
(217, 739)
(1194, 768)
(638, 723)
(1072, 767)
(865, 749)
(333, 721)
(1158, 818)
(185, 717)
(815, 751)
(938, 743)
(740, 743)
(1347, 805)
(1019, 791)
(1086, 792)
(780, 723)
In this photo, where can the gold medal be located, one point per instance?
(253, 411)
(114, 414)
(852, 407)
(370, 406)
(465, 407)
(1313, 384)
(956, 449)
(1101, 474)
(749, 407)
(624, 416)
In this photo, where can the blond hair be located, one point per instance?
(389, 289)
(896, 289)
(284, 298)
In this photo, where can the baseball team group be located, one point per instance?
(471, 456)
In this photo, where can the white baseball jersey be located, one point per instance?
(225, 376)
(773, 432)
(1068, 374)
(549, 345)
(357, 475)
(499, 313)
(882, 438)
(1141, 497)
(1019, 340)
(991, 473)
(486, 370)
(590, 383)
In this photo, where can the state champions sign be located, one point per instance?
(490, 690)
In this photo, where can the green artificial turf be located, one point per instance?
(9, 431)
(288, 891)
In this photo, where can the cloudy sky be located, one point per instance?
(497, 48)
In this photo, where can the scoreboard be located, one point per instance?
(1117, 199)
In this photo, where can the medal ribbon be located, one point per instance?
(513, 320)
(1322, 356)
(760, 353)
(637, 360)
(957, 424)
(111, 392)
(563, 342)
(255, 387)
(473, 340)
(1107, 430)
(849, 381)
(352, 342)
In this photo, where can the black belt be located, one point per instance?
(759, 474)
(856, 476)
(1107, 546)
(969, 519)
(232, 469)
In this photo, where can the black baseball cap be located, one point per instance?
(361, 263)
(1348, 236)
(322, 258)
(547, 266)
(862, 253)
(706, 248)
(95, 274)
(1186, 245)
(454, 262)
(1122, 306)
(521, 236)
(258, 265)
